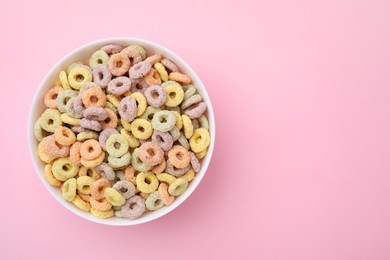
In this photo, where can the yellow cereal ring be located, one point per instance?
(175, 93)
(73, 65)
(113, 100)
(200, 140)
(64, 80)
(178, 187)
(84, 171)
(102, 214)
(179, 120)
(81, 204)
(69, 189)
(161, 71)
(147, 182)
(84, 184)
(93, 163)
(125, 125)
(140, 101)
(87, 135)
(201, 154)
(78, 76)
(50, 120)
(49, 176)
(141, 129)
(189, 175)
(133, 142)
(65, 118)
(110, 106)
(165, 177)
(98, 57)
(188, 127)
(64, 169)
(114, 197)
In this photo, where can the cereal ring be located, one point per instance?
(86, 135)
(161, 71)
(90, 149)
(201, 154)
(101, 75)
(172, 170)
(139, 70)
(200, 140)
(128, 109)
(195, 111)
(90, 124)
(119, 176)
(117, 145)
(119, 64)
(175, 93)
(133, 208)
(189, 175)
(78, 106)
(81, 204)
(67, 119)
(95, 113)
(53, 148)
(141, 129)
(175, 133)
(74, 153)
(84, 184)
(179, 77)
(163, 121)
(178, 187)
(39, 132)
(94, 97)
(130, 174)
(137, 163)
(102, 214)
(50, 120)
(69, 189)
(111, 121)
(113, 100)
(147, 182)
(204, 122)
(159, 168)
(101, 205)
(183, 142)
(78, 129)
(119, 162)
(64, 169)
(98, 187)
(133, 55)
(154, 202)
(50, 98)
(104, 135)
(78, 76)
(110, 106)
(164, 195)
(138, 85)
(64, 80)
(140, 101)
(149, 113)
(187, 126)
(43, 156)
(119, 85)
(165, 177)
(189, 92)
(98, 58)
(84, 171)
(64, 136)
(195, 123)
(169, 65)
(106, 171)
(195, 99)
(112, 48)
(155, 95)
(163, 139)
(114, 197)
(179, 157)
(140, 50)
(94, 162)
(85, 197)
(47, 173)
(194, 162)
(133, 142)
(153, 78)
(153, 59)
(87, 86)
(150, 153)
(125, 188)
(69, 108)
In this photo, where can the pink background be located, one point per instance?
(301, 94)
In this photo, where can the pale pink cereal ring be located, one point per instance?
(128, 109)
(101, 75)
(97, 188)
(87, 86)
(111, 121)
(139, 70)
(133, 207)
(179, 77)
(90, 149)
(50, 98)
(163, 139)
(55, 149)
(112, 48)
(132, 54)
(78, 105)
(102, 205)
(78, 129)
(105, 171)
(195, 111)
(156, 95)
(164, 195)
(179, 157)
(138, 85)
(169, 65)
(150, 153)
(119, 64)
(104, 135)
(74, 153)
(119, 85)
(90, 124)
(194, 162)
(159, 168)
(95, 113)
(153, 59)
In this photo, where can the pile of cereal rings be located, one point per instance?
(124, 134)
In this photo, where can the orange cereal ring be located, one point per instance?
(179, 156)
(159, 168)
(111, 121)
(102, 204)
(119, 64)
(94, 97)
(130, 174)
(74, 153)
(151, 153)
(85, 197)
(90, 149)
(48, 174)
(164, 195)
(97, 188)
(50, 98)
(133, 55)
(179, 77)
(153, 78)
(154, 59)
(84, 171)
(64, 136)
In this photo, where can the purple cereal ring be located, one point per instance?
(138, 85)
(133, 207)
(139, 70)
(95, 113)
(155, 95)
(90, 124)
(163, 139)
(169, 65)
(128, 109)
(195, 111)
(78, 129)
(78, 105)
(101, 75)
(119, 85)
(105, 171)
(104, 135)
(194, 162)
(112, 48)
(87, 86)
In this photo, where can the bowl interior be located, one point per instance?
(82, 54)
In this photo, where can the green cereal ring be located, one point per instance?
(190, 90)
(50, 120)
(163, 121)
(117, 145)
(149, 113)
(175, 133)
(147, 182)
(183, 141)
(87, 135)
(137, 163)
(39, 132)
(154, 201)
(70, 108)
(69, 189)
(78, 76)
(140, 50)
(64, 169)
(114, 197)
(63, 98)
(99, 57)
(204, 122)
(119, 162)
(178, 187)
(84, 184)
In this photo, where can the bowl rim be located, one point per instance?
(39, 93)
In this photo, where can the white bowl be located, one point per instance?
(83, 53)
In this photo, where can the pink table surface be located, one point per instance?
(301, 94)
